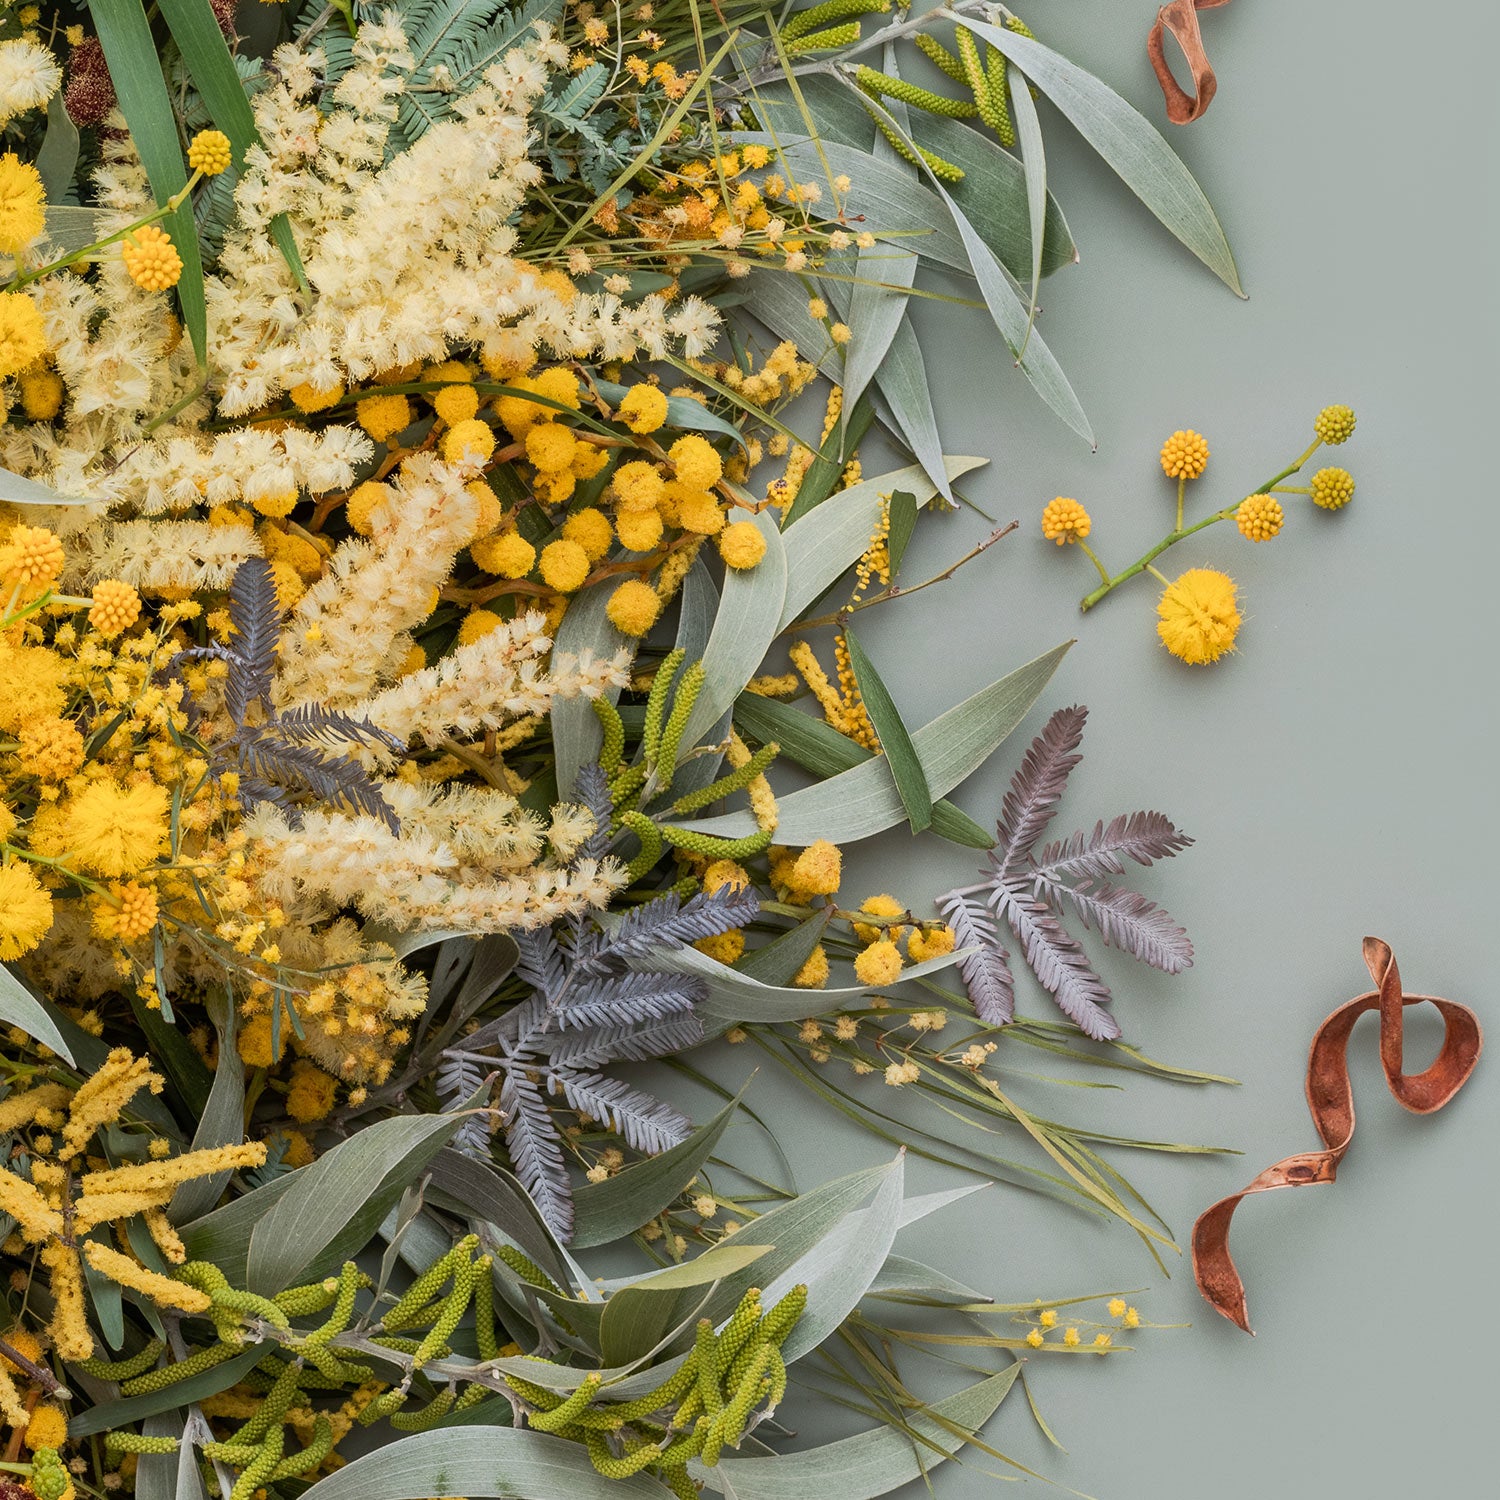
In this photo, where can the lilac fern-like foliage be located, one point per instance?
(1031, 889)
(598, 996)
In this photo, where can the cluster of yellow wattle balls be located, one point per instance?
(1198, 616)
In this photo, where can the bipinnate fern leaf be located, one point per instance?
(256, 618)
(1031, 891)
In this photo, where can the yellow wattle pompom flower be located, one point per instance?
(23, 337)
(128, 914)
(288, 584)
(253, 1042)
(383, 416)
(741, 544)
(1259, 517)
(551, 447)
(1065, 520)
(508, 555)
(936, 943)
(1335, 424)
(311, 1094)
(699, 511)
(726, 872)
(25, 1343)
(151, 258)
(115, 830)
(25, 911)
(591, 530)
(639, 530)
(276, 506)
(48, 1427)
(1184, 455)
(878, 964)
(31, 559)
(696, 462)
(22, 200)
(1332, 489)
(210, 153)
(882, 905)
(487, 509)
(1117, 1307)
(723, 947)
(1198, 616)
(116, 607)
(643, 410)
(1035, 1339)
(50, 749)
(310, 398)
(361, 504)
(42, 393)
(818, 869)
(477, 624)
(565, 566)
(637, 486)
(813, 974)
(455, 403)
(633, 608)
(469, 442)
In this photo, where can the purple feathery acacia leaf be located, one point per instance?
(1060, 965)
(536, 1151)
(1037, 788)
(1128, 921)
(1143, 837)
(986, 971)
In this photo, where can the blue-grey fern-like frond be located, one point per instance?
(646, 1123)
(459, 1078)
(1037, 788)
(264, 760)
(1143, 837)
(312, 724)
(536, 1150)
(605, 1044)
(632, 998)
(669, 922)
(1060, 964)
(541, 961)
(255, 615)
(1127, 920)
(592, 790)
(986, 970)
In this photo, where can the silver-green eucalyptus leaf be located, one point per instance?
(19, 1007)
(576, 736)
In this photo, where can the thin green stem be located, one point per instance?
(1181, 491)
(1093, 557)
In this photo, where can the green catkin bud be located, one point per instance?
(138, 1442)
(49, 1478)
(713, 1441)
(989, 92)
(689, 1407)
(999, 97)
(551, 1421)
(277, 1403)
(425, 1287)
(821, 41)
(337, 1371)
(738, 1330)
(783, 1317)
(937, 53)
(677, 1479)
(261, 1467)
(656, 702)
(311, 1456)
(687, 1447)
(614, 734)
(436, 1338)
(382, 1406)
(828, 12)
(1017, 25)
(735, 781)
(874, 82)
(472, 1397)
(747, 1396)
(484, 1310)
(686, 888)
(713, 847)
(238, 1454)
(627, 785)
(249, 1305)
(651, 843)
(122, 1369)
(346, 1289)
(396, 1342)
(303, 1301)
(538, 1396)
(707, 1350)
(671, 1389)
(677, 722)
(202, 1274)
(429, 1416)
(619, 1468)
(184, 1369)
(778, 1380)
(942, 169)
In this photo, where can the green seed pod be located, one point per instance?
(822, 41)
(651, 843)
(936, 52)
(831, 10)
(456, 1305)
(429, 1416)
(735, 781)
(713, 847)
(320, 1446)
(656, 702)
(875, 83)
(303, 1301)
(346, 1289)
(194, 1364)
(677, 721)
(560, 1416)
(122, 1369)
(614, 734)
(138, 1442)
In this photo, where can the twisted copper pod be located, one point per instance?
(1181, 19)
(1330, 1099)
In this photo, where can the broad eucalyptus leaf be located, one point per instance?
(19, 1007)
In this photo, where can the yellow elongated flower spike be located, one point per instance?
(100, 1098)
(19, 1199)
(162, 1290)
(164, 1235)
(94, 1209)
(22, 1108)
(69, 1323)
(157, 1176)
(12, 1407)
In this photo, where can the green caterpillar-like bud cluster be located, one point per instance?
(138, 1442)
(825, 40)
(49, 1479)
(123, 1369)
(876, 84)
(831, 11)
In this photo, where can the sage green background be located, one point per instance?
(1338, 772)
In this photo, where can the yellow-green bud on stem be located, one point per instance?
(194, 1364)
(942, 169)
(614, 734)
(346, 1289)
(457, 1304)
(679, 1481)
(302, 1301)
(311, 1456)
(277, 1403)
(874, 82)
(429, 1416)
(747, 1396)
(783, 1317)
(937, 53)
(627, 785)
(707, 1350)
(122, 1369)
(651, 843)
(656, 702)
(383, 1406)
(425, 1287)
(335, 1370)
(138, 1442)
(560, 1416)
(249, 1305)
(484, 1309)
(713, 847)
(735, 781)
(821, 41)
(999, 119)
(261, 1467)
(527, 1269)
(831, 10)
(665, 762)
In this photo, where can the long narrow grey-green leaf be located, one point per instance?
(856, 1468)
(864, 801)
(576, 736)
(1127, 141)
(906, 396)
(1034, 157)
(19, 1007)
(135, 70)
(748, 619)
(895, 739)
(57, 157)
(222, 1123)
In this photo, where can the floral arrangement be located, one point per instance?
(409, 573)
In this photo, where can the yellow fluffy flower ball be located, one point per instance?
(455, 403)
(151, 258)
(1332, 489)
(469, 442)
(1259, 517)
(22, 216)
(633, 608)
(726, 872)
(33, 680)
(934, 943)
(637, 486)
(48, 1427)
(116, 607)
(813, 974)
(878, 964)
(312, 1092)
(50, 749)
(508, 555)
(127, 914)
(1065, 520)
(31, 559)
(384, 416)
(723, 947)
(210, 153)
(487, 511)
(696, 462)
(741, 544)
(643, 410)
(639, 530)
(114, 830)
(1335, 424)
(818, 869)
(591, 530)
(360, 507)
(1184, 455)
(550, 446)
(25, 911)
(23, 339)
(310, 398)
(41, 394)
(699, 511)
(882, 905)
(565, 565)
(1198, 616)
(477, 624)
